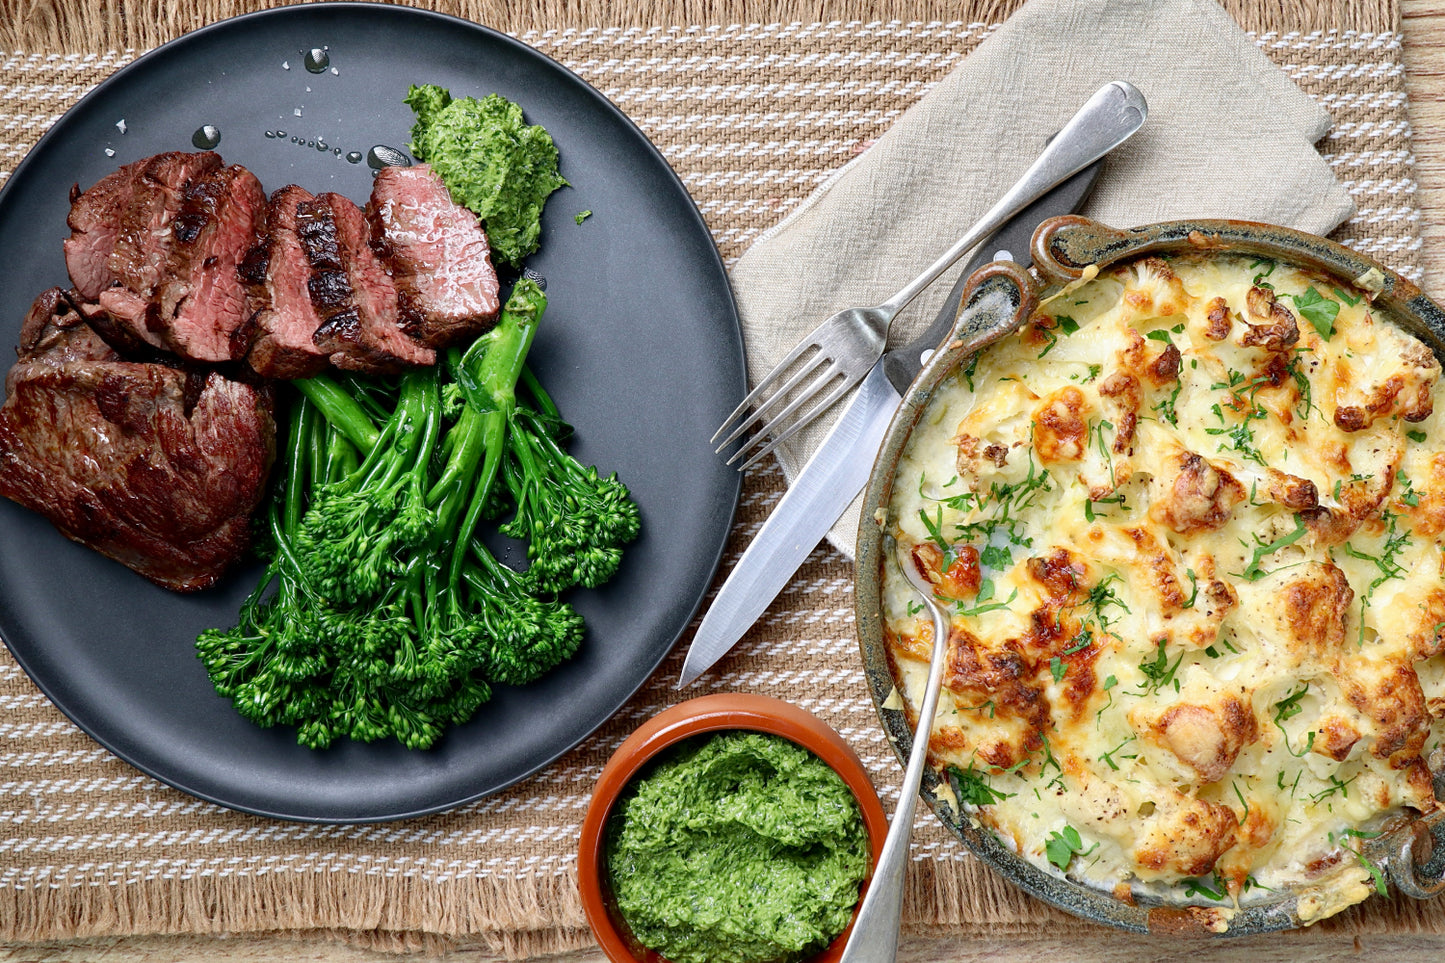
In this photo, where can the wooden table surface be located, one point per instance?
(1424, 56)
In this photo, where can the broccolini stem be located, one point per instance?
(298, 441)
(490, 367)
(494, 433)
(539, 394)
(341, 410)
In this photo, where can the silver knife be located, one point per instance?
(840, 467)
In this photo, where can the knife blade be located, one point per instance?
(840, 467)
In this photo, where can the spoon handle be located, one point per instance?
(875, 931)
(1106, 120)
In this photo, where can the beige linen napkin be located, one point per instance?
(1228, 135)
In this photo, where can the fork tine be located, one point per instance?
(764, 411)
(780, 418)
(845, 382)
(765, 386)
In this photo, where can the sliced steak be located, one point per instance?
(278, 273)
(351, 289)
(143, 241)
(152, 467)
(438, 254)
(94, 222)
(202, 299)
(156, 246)
(113, 224)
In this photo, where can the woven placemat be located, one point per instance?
(752, 117)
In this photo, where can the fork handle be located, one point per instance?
(1105, 121)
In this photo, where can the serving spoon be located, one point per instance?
(875, 931)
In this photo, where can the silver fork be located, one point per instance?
(839, 352)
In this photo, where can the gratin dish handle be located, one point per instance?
(998, 298)
(1413, 857)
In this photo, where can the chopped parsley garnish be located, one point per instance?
(1108, 757)
(1165, 409)
(1062, 846)
(1263, 549)
(1375, 872)
(973, 788)
(1318, 310)
(1241, 437)
(1159, 672)
(1288, 708)
(1198, 887)
(1387, 562)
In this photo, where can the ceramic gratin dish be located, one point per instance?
(1003, 295)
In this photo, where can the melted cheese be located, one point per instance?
(1190, 521)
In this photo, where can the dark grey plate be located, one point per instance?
(640, 346)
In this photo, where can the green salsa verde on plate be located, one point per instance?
(737, 847)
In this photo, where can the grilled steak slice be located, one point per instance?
(279, 274)
(94, 222)
(438, 253)
(137, 262)
(351, 288)
(202, 299)
(156, 245)
(152, 467)
(115, 224)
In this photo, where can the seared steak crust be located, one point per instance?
(279, 276)
(155, 468)
(362, 330)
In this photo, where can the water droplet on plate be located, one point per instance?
(383, 156)
(296, 112)
(120, 125)
(271, 135)
(354, 157)
(285, 65)
(317, 60)
(206, 137)
(280, 133)
(109, 152)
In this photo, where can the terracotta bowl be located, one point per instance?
(712, 713)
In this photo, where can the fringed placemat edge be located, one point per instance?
(79, 26)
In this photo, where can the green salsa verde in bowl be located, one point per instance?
(733, 828)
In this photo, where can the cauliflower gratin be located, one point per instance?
(1189, 520)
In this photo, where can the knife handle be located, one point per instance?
(902, 364)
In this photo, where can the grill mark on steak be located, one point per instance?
(283, 317)
(363, 332)
(204, 301)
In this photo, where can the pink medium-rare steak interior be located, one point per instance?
(438, 253)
